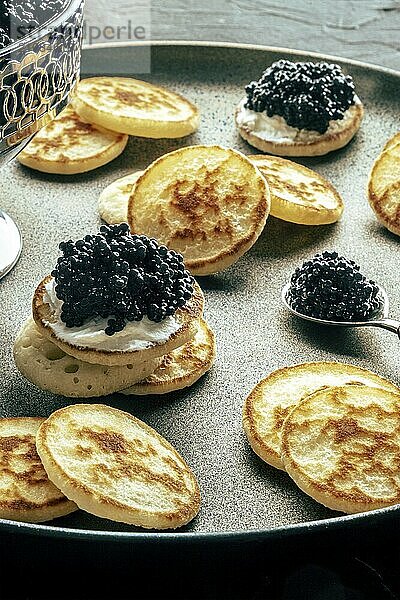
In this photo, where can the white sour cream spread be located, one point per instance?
(275, 129)
(137, 335)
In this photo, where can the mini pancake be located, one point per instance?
(316, 146)
(26, 494)
(209, 203)
(68, 145)
(385, 171)
(341, 446)
(135, 107)
(181, 367)
(186, 317)
(267, 405)
(113, 201)
(393, 141)
(115, 466)
(387, 208)
(384, 187)
(298, 194)
(45, 365)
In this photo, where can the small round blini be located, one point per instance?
(271, 400)
(393, 141)
(45, 365)
(385, 172)
(387, 208)
(384, 188)
(298, 194)
(341, 446)
(26, 493)
(47, 322)
(114, 199)
(135, 107)
(182, 367)
(207, 202)
(68, 145)
(304, 142)
(115, 466)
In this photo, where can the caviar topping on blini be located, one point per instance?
(115, 298)
(299, 109)
(119, 277)
(307, 95)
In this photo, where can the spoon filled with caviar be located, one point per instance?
(330, 289)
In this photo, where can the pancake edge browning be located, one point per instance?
(186, 315)
(100, 504)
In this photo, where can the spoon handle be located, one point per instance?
(389, 324)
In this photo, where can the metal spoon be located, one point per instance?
(378, 320)
(10, 244)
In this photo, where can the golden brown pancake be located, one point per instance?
(341, 445)
(117, 467)
(26, 494)
(135, 107)
(68, 145)
(209, 203)
(181, 367)
(114, 199)
(384, 186)
(271, 400)
(298, 194)
(186, 317)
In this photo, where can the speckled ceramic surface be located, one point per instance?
(254, 333)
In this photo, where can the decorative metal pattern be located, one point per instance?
(38, 76)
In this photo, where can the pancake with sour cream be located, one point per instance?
(115, 298)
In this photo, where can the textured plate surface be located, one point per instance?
(254, 333)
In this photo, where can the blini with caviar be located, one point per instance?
(116, 298)
(299, 109)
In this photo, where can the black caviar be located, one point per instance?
(307, 95)
(20, 17)
(331, 287)
(121, 277)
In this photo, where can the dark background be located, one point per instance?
(345, 565)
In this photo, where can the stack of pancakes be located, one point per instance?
(335, 429)
(70, 370)
(96, 458)
(95, 128)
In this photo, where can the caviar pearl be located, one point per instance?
(331, 287)
(307, 95)
(120, 277)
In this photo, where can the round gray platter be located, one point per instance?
(241, 495)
